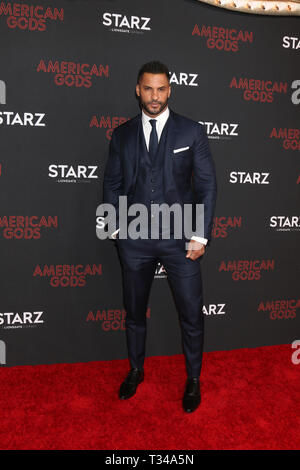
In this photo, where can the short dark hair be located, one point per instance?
(153, 67)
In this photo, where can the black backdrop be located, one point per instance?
(245, 90)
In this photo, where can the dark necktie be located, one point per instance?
(153, 143)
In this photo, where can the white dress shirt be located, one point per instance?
(160, 124)
(147, 128)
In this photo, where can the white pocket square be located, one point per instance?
(180, 150)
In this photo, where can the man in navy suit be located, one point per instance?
(161, 157)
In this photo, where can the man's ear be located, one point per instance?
(137, 89)
(170, 89)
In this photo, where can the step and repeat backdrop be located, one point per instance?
(67, 79)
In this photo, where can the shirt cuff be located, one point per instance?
(200, 240)
(114, 234)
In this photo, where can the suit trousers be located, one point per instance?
(138, 261)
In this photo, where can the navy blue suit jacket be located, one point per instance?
(189, 176)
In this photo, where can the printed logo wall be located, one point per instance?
(67, 78)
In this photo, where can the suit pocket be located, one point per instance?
(185, 154)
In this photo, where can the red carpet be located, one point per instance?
(250, 400)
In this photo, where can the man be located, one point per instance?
(161, 157)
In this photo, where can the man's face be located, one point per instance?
(154, 91)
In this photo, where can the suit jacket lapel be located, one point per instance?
(132, 150)
(168, 180)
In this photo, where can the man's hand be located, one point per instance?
(195, 250)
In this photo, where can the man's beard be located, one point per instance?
(154, 112)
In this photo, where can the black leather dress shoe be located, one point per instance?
(130, 384)
(192, 397)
